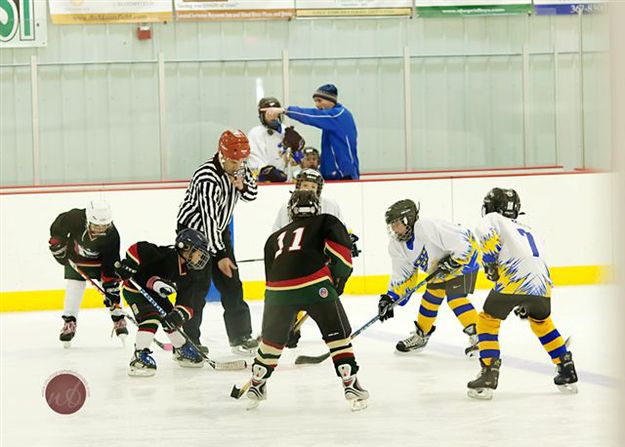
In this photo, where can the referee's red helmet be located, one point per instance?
(234, 145)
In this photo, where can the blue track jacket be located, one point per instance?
(339, 153)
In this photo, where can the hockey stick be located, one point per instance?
(312, 360)
(250, 260)
(237, 392)
(234, 364)
(98, 287)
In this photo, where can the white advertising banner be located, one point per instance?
(23, 23)
(352, 8)
(75, 12)
(450, 8)
(234, 9)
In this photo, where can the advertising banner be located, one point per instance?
(352, 8)
(23, 23)
(76, 12)
(455, 8)
(234, 9)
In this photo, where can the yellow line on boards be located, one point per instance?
(255, 290)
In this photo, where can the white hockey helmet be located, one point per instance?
(99, 217)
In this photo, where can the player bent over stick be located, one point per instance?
(89, 238)
(427, 244)
(513, 260)
(156, 269)
(307, 264)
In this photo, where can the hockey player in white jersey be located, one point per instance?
(275, 150)
(427, 244)
(513, 259)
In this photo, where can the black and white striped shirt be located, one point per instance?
(209, 202)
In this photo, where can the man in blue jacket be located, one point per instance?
(339, 152)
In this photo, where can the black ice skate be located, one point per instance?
(142, 364)
(244, 345)
(355, 394)
(473, 348)
(68, 331)
(416, 342)
(486, 382)
(188, 357)
(257, 391)
(566, 377)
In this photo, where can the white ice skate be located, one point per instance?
(356, 395)
(257, 391)
(415, 343)
(68, 331)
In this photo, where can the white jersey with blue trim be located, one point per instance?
(432, 241)
(328, 206)
(518, 253)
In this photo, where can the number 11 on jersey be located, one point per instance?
(295, 244)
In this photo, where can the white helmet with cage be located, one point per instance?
(99, 217)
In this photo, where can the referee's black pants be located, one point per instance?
(192, 291)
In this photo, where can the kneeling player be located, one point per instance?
(89, 238)
(427, 244)
(307, 264)
(513, 260)
(156, 269)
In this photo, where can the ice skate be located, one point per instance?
(473, 349)
(68, 331)
(416, 342)
(355, 394)
(188, 357)
(257, 391)
(566, 377)
(244, 345)
(142, 364)
(486, 382)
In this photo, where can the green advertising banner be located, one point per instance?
(23, 23)
(455, 8)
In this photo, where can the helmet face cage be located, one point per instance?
(99, 218)
(406, 212)
(310, 175)
(189, 242)
(303, 204)
(266, 103)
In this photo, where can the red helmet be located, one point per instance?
(234, 145)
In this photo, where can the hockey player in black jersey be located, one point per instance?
(89, 238)
(307, 264)
(157, 269)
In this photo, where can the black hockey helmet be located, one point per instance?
(503, 201)
(265, 103)
(309, 175)
(303, 204)
(406, 212)
(188, 243)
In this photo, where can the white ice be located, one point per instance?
(415, 401)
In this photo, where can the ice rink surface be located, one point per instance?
(419, 400)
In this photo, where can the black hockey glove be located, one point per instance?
(491, 270)
(161, 287)
(339, 285)
(355, 251)
(293, 140)
(111, 293)
(126, 269)
(385, 307)
(448, 265)
(293, 338)
(521, 312)
(271, 174)
(59, 250)
(176, 318)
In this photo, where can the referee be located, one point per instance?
(208, 206)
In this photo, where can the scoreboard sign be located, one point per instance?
(23, 23)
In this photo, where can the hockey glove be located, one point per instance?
(111, 293)
(176, 318)
(161, 287)
(126, 269)
(355, 250)
(448, 265)
(385, 307)
(293, 140)
(59, 250)
(491, 270)
(271, 174)
(297, 156)
(521, 312)
(293, 339)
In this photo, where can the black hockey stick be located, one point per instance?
(250, 260)
(237, 392)
(98, 287)
(312, 360)
(234, 364)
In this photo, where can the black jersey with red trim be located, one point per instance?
(153, 262)
(103, 251)
(303, 258)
